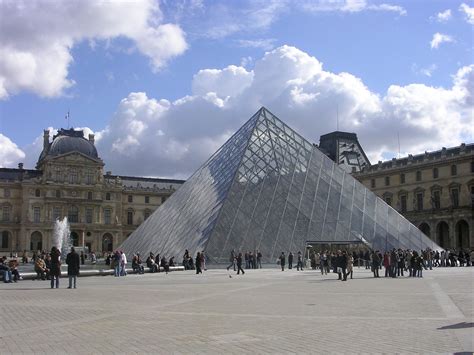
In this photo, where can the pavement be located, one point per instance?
(263, 311)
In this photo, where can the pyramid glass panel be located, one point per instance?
(269, 189)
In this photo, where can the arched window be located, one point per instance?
(107, 243)
(74, 239)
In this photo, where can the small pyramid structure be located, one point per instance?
(269, 189)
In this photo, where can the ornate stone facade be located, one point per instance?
(435, 191)
(69, 181)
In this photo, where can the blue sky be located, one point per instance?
(131, 72)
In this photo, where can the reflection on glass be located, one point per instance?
(269, 189)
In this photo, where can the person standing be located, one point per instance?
(198, 263)
(290, 260)
(55, 272)
(299, 264)
(123, 264)
(259, 260)
(375, 263)
(239, 264)
(83, 258)
(232, 260)
(350, 264)
(73, 266)
(282, 261)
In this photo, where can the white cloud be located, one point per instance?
(37, 38)
(468, 12)
(151, 137)
(426, 71)
(265, 44)
(444, 16)
(351, 6)
(439, 38)
(10, 154)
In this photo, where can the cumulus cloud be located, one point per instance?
(468, 12)
(156, 137)
(10, 154)
(439, 38)
(443, 16)
(37, 37)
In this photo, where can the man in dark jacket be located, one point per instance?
(282, 261)
(73, 266)
(290, 260)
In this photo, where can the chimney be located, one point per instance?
(20, 166)
(91, 138)
(45, 139)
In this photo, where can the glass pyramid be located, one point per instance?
(269, 189)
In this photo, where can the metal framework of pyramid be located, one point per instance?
(269, 189)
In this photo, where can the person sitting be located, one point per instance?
(137, 264)
(150, 263)
(5, 270)
(13, 265)
(40, 269)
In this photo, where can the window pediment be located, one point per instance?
(436, 187)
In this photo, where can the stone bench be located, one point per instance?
(94, 272)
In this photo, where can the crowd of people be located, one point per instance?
(396, 262)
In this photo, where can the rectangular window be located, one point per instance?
(107, 216)
(454, 170)
(402, 178)
(455, 197)
(419, 201)
(56, 213)
(107, 196)
(418, 175)
(388, 200)
(130, 217)
(387, 180)
(435, 173)
(372, 183)
(147, 199)
(472, 166)
(147, 214)
(163, 199)
(59, 177)
(89, 214)
(436, 200)
(6, 193)
(6, 214)
(73, 177)
(130, 198)
(89, 195)
(89, 178)
(73, 215)
(58, 193)
(36, 214)
(403, 203)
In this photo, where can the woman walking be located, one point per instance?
(55, 272)
(350, 264)
(198, 263)
(239, 264)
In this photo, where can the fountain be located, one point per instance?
(62, 236)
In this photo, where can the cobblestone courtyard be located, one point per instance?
(264, 311)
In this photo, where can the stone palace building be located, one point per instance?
(69, 181)
(434, 190)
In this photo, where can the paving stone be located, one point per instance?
(264, 311)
